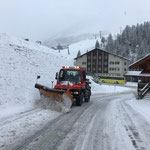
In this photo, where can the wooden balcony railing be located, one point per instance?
(143, 88)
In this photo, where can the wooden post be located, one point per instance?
(52, 83)
(68, 51)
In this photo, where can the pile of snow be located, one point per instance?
(100, 88)
(142, 107)
(50, 103)
(132, 84)
(21, 61)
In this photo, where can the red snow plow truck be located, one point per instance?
(71, 85)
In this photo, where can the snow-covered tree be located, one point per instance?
(134, 41)
(97, 45)
(109, 45)
(79, 53)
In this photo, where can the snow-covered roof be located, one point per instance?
(144, 75)
(103, 51)
(132, 73)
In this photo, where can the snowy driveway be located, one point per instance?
(105, 123)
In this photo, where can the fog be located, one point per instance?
(41, 19)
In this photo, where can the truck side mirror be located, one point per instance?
(88, 81)
(38, 77)
(56, 77)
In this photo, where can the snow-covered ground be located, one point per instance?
(112, 88)
(21, 126)
(132, 84)
(141, 107)
(83, 46)
(20, 63)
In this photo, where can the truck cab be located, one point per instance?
(74, 80)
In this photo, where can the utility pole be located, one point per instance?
(120, 30)
(68, 51)
(100, 34)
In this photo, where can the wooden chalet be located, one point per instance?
(142, 65)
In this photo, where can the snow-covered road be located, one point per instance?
(106, 123)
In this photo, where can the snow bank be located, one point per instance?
(133, 84)
(100, 88)
(21, 61)
(140, 106)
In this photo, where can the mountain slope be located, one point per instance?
(21, 62)
(68, 40)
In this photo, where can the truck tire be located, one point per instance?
(88, 98)
(79, 99)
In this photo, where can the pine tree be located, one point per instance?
(133, 42)
(79, 53)
(97, 45)
(109, 45)
(103, 40)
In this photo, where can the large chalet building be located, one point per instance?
(101, 62)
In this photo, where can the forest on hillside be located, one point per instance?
(133, 42)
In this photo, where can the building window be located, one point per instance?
(89, 63)
(105, 69)
(106, 57)
(125, 63)
(94, 57)
(105, 63)
(111, 62)
(100, 57)
(89, 57)
(117, 62)
(94, 63)
(125, 69)
(118, 69)
(89, 69)
(110, 69)
(83, 63)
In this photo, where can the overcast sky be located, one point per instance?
(41, 19)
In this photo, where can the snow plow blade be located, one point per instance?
(61, 96)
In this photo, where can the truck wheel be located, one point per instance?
(79, 99)
(87, 99)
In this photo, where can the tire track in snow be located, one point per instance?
(57, 130)
(54, 132)
(64, 131)
(132, 130)
(141, 124)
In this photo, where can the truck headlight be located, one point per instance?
(76, 92)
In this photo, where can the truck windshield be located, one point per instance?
(70, 75)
